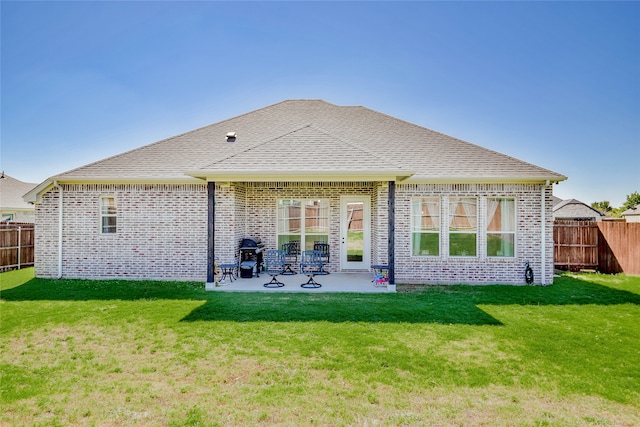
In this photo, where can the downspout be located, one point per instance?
(55, 184)
(19, 245)
(391, 236)
(543, 235)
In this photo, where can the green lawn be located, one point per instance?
(79, 352)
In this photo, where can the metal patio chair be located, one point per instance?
(323, 248)
(275, 264)
(291, 250)
(310, 264)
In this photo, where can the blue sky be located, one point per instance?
(556, 84)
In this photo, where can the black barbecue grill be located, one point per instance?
(250, 256)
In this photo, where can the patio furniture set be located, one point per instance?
(275, 262)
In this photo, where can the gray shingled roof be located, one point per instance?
(11, 192)
(632, 211)
(572, 208)
(312, 137)
(307, 151)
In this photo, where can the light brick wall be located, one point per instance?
(479, 269)
(162, 229)
(46, 235)
(261, 202)
(380, 224)
(230, 217)
(161, 233)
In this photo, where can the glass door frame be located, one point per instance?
(365, 264)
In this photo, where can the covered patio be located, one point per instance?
(335, 282)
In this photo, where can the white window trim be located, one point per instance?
(514, 232)
(102, 215)
(476, 232)
(439, 232)
(303, 235)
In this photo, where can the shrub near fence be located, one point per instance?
(608, 246)
(16, 245)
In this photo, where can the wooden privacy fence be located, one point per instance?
(575, 245)
(619, 248)
(608, 246)
(16, 245)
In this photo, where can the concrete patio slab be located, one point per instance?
(334, 282)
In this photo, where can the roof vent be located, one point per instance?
(231, 136)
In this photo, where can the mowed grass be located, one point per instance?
(77, 352)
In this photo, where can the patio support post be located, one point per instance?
(392, 232)
(211, 219)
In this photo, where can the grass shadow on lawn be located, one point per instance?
(338, 308)
(429, 304)
(434, 307)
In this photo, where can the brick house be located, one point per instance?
(375, 188)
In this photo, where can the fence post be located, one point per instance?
(19, 244)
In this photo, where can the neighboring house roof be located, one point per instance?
(309, 140)
(11, 192)
(572, 208)
(632, 212)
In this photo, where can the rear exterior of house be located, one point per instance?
(376, 189)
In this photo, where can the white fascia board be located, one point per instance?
(6, 209)
(298, 176)
(35, 195)
(133, 180)
(485, 180)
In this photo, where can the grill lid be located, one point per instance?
(251, 242)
